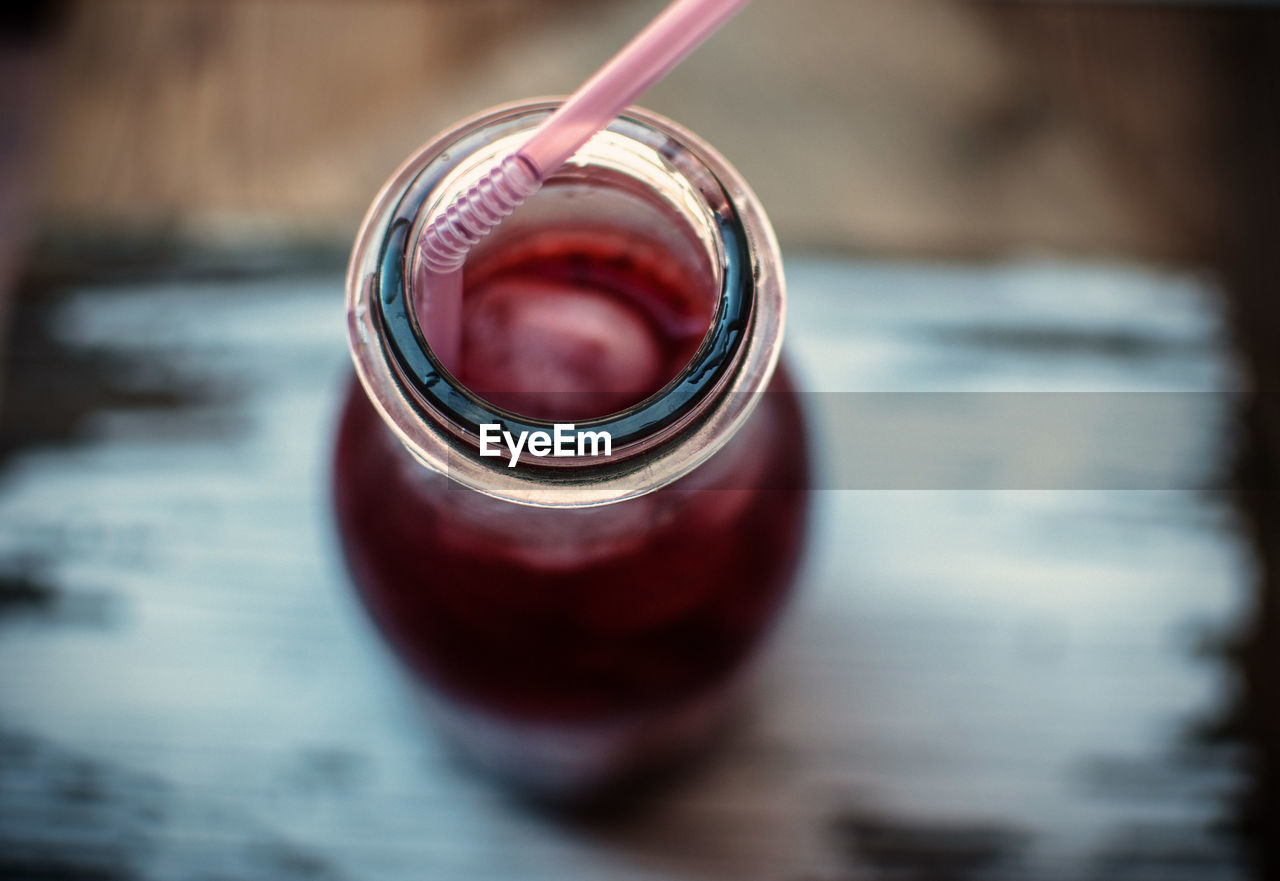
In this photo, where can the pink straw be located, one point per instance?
(676, 32)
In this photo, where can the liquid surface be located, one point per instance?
(574, 325)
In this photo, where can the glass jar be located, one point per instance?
(575, 620)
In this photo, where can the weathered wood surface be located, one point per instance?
(972, 684)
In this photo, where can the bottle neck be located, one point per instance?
(644, 181)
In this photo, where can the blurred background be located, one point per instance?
(923, 128)
(1075, 678)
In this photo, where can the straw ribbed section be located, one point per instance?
(449, 237)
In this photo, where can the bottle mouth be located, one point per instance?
(649, 165)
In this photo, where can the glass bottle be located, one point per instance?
(575, 621)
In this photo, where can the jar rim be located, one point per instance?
(656, 440)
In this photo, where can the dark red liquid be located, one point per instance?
(571, 325)
(575, 615)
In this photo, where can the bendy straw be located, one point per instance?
(676, 32)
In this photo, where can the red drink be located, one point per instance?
(568, 645)
(551, 613)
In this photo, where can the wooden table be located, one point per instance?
(1001, 667)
